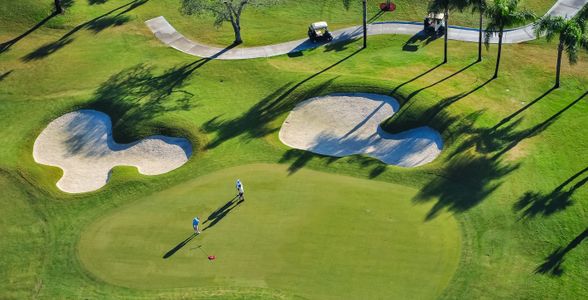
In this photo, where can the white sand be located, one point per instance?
(81, 144)
(346, 124)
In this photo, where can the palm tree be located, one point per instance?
(572, 37)
(479, 6)
(504, 13)
(446, 5)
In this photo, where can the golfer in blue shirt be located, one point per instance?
(240, 190)
(195, 224)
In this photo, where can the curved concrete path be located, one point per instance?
(347, 124)
(168, 35)
(81, 144)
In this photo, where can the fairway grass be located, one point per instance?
(310, 234)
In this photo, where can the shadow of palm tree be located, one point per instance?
(133, 99)
(5, 74)
(254, 123)
(97, 24)
(47, 49)
(376, 16)
(67, 3)
(463, 184)
(468, 179)
(498, 140)
(406, 118)
(97, 2)
(6, 45)
(506, 139)
(516, 113)
(137, 94)
(532, 203)
(416, 77)
(553, 262)
(107, 22)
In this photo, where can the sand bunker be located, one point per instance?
(81, 144)
(346, 124)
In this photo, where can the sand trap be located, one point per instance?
(346, 124)
(81, 144)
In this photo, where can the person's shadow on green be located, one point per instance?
(221, 212)
(179, 246)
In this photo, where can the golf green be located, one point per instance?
(308, 234)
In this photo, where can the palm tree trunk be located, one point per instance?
(364, 23)
(560, 49)
(480, 35)
(58, 7)
(446, 33)
(499, 51)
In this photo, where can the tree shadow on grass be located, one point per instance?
(411, 95)
(6, 45)
(133, 99)
(463, 184)
(179, 246)
(97, 2)
(405, 119)
(107, 22)
(499, 140)
(416, 77)
(67, 3)
(138, 94)
(5, 74)
(532, 203)
(553, 262)
(516, 113)
(97, 24)
(470, 178)
(47, 49)
(299, 158)
(255, 122)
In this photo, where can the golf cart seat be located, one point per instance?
(319, 32)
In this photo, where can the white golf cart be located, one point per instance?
(319, 32)
(435, 23)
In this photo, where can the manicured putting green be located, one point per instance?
(310, 234)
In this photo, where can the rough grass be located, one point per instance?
(512, 172)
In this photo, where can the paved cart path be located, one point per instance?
(165, 32)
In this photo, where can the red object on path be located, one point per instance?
(388, 7)
(211, 257)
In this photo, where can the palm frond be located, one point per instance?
(549, 26)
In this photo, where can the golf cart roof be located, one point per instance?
(434, 15)
(318, 25)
